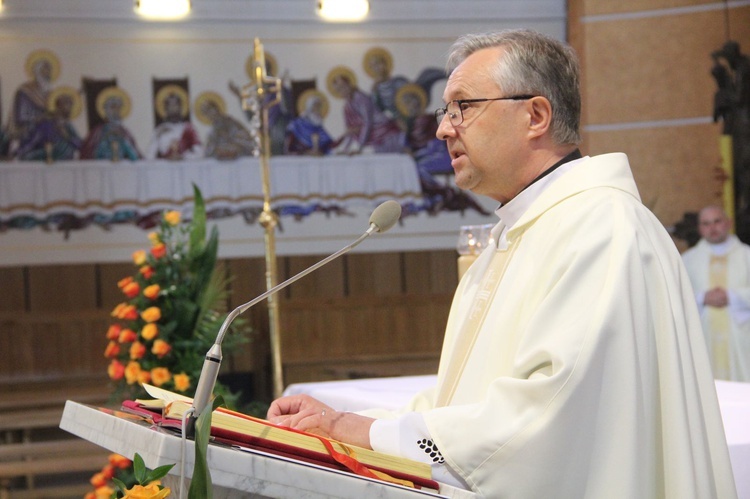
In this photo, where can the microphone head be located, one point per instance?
(385, 215)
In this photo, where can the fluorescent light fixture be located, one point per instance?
(162, 9)
(343, 10)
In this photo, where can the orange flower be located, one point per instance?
(144, 377)
(128, 313)
(98, 480)
(114, 331)
(149, 331)
(151, 314)
(127, 336)
(124, 282)
(139, 257)
(117, 311)
(115, 370)
(150, 491)
(108, 471)
(161, 348)
(137, 350)
(172, 217)
(154, 238)
(112, 350)
(160, 375)
(151, 292)
(146, 271)
(104, 492)
(132, 371)
(119, 461)
(181, 382)
(131, 290)
(159, 250)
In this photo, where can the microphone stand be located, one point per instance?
(211, 365)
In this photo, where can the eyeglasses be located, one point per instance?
(455, 108)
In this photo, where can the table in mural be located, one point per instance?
(74, 194)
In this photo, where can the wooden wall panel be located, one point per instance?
(600, 7)
(652, 68)
(108, 276)
(675, 168)
(12, 289)
(327, 281)
(70, 287)
(374, 274)
(430, 272)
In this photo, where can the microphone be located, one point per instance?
(383, 218)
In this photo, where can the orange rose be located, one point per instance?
(119, 461)
(161, 348)
(115, 370)
(160, 375)
(132, 371)
(172, 217)
(144, 377)
(114, 331)
(99, 480)
(152, 292)
(181, 382)
(150, 491)
(104, 492)
(154, 238)
(151, 314)
(131, 290)
(146, 271)
(149, 331)
(159, 250)
(137, 350)
(124, 282)
(112, 350)
(128, 313)
(139, 257)
(127, 336)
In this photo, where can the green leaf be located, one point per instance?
(120, 486)
(139, 468)
(201, 486)
(158, 473)
(198, 232)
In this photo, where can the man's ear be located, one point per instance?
(540, 115)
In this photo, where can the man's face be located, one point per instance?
(112, 108)
(173, 107)
(713, 225)
(64, 106)
(484, 148)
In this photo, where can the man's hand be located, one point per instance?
(716, 297)
(302, 412)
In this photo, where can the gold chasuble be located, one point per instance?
(719, 319)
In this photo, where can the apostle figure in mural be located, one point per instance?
(366, 126)
(731, 71)
(54, 138)
(306, 135)
(30, 100)
(378, 63)
(174, 138)
(110, 139)
(228, 139)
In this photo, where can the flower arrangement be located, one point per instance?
(172, 310)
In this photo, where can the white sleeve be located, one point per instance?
(407, 436)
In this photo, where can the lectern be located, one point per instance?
(235, 472)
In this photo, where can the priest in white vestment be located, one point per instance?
(573, 364)
(719, 269)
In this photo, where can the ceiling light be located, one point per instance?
(343, 10)
(162, 9)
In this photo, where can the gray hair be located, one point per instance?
(532, 63)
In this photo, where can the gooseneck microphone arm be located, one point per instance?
(382, 219)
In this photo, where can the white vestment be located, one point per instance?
(589, 376)
(738, 286)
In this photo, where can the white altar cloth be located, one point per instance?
(392, 393)
(83, 188)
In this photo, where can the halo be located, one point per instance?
(73, 93)
(414, 89)
(41, 55)
(113, 92)
(202, 99)
(307, 95)
(339, 71)
(162, 94)
(377, 52)
(272, 68)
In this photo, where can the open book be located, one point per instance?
(167, 409)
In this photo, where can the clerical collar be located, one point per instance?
(721, 249)
(510, 212)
